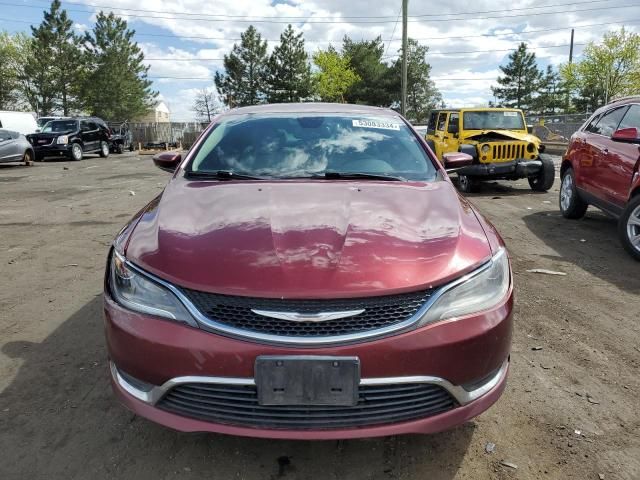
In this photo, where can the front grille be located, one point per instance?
(379, 312)
(238, 405)
(508, 151)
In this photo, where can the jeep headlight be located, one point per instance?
(485, 148)
(478, 291)
(62, 140)
(134, 290)
(531, 147)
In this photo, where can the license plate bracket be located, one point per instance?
(307, 380)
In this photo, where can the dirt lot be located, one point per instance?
(571, 409)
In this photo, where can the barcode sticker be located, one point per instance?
(510, 114)
(376, 124)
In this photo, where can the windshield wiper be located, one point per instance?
(362, 176)
(221, 175)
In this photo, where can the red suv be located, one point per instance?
(309, 272)
(601, 168)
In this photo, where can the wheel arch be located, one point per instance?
(566, 165)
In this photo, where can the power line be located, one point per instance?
(489, 35)
(467, 18)
(393, 32)
(301, 18)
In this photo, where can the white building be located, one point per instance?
(159, 114)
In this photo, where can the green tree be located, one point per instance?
(244, 79)
(117, 87)
(288, 71)
(608, 70)
(551, 93)
(521, 80)
(376, 84)
(11, 61)
(51, 74)
(335, 75)
(422, 94)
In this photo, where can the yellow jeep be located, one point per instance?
(499, 143)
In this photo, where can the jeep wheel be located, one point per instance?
(468, 184)
(629, 227)
(76, 152)
(543, 181)
(571, 205)
(104, 149)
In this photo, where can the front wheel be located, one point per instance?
(571, 205)
(468, 184)
(76, 152)
(543, 181)
(28, 158)
(629, 227)
(104, 149)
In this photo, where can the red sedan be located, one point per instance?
(309, 272)
(602, 168)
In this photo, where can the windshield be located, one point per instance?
(57, 126)
(306, 144)
(493, 120)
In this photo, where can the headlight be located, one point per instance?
(133, 290)
(478, 291)
(530, 147)
(485, 148)
(62, 140)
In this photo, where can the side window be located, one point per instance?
(632, 118)
(84, 126)
(610, 121)
(442, 121)
(454, 123)
(93, 126)
(431, 126)
(591, 127)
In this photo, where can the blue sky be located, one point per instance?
(186, 39)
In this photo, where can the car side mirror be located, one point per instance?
(455, 160)
(38, 130)
(626, 135)
(167, 161)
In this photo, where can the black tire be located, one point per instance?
(76, 153)
(629, 227)
(545, 178)
(467, 184)
(571, 205)
(28, 158)
(104, 149)
(120, 148)
(131, 147)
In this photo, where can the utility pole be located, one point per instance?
(403, 96)
(571, 47)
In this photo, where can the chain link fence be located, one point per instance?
(556, 128)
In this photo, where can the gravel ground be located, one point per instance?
(570, 409)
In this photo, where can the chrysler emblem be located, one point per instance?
(308, 317)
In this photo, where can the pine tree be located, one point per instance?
(377, 85)
(51, 73)
(117, 87)
(520, 81)
(551, 97)
(243, 82)
(288, 70)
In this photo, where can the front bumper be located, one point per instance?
(53, 150)
(519, 168)
(451, 354)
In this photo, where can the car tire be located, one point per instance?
(571, 205)
(28, 158)
(629, 227)
(76, 152)
(545, 178)
(104, 149)
(120, 148)
(467, 184)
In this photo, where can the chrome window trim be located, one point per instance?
(217, 327)
(584, 127)
(461, 395)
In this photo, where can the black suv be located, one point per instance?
(71, 138)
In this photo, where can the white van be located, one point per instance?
(23, 122)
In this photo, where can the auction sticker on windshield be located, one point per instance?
(510, 114)
(369, 123)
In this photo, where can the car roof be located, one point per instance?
(313, 107)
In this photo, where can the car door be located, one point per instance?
(441, 133)
(9, 146)
(599, 144)
(88, 131)
(450, 141)
(619, 162)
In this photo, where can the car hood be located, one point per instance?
(500, 134)
(308, 239)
